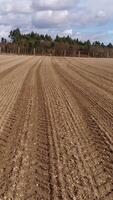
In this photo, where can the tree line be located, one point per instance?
(39, 44)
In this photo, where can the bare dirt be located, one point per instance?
(56, 128)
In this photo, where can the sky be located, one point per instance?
(83, 19)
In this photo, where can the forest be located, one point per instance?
(39, 44)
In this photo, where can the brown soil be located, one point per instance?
(56, 128)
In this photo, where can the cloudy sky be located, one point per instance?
(83, 19)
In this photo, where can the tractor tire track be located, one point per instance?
(99, 139)
(12, 139)
(12, 68)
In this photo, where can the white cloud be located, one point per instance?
(97, 5)
(15, 20)
(68, 32)
(100, 9)
(101, 14)
(53, 4)
(4, 31)
(49, 18)
(12, 6)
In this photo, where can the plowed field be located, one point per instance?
(56, 128)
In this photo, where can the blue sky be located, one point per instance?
(83, 19)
